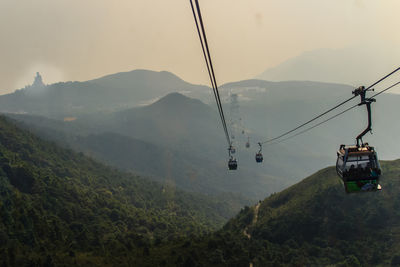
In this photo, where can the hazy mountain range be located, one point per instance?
(181, 139)
(356, 65)
(107, 94)
(175, 139)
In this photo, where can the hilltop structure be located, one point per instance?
(38, 82)
(37, 86)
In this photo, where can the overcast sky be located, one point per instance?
(85, 39)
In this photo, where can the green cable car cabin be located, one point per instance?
(359, 168)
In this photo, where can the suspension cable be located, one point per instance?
(207, 63)
(210, 68)
(390, 87)
(326, 112)
(302, 125)
(314, 126)
(337, 115)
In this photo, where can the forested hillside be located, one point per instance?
(177, 134)
(61, 208)
(313, 223)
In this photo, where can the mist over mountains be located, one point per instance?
(107, 94)
(356, 65)
(174, 139)
(179, 138)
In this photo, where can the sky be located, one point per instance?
(86, 39)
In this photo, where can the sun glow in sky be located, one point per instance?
(82, 40)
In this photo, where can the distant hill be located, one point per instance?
(110, 93)
(191, 143)
(61, 208)
(173, 120)
(190, 136)
(351, 65)
(313, 223)
(176, 138)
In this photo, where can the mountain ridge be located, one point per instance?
(348, 65)
(105, 94)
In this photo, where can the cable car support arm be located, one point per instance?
(361, 91)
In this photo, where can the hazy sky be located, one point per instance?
(85, 39)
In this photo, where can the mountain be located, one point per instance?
(350, 65)
(175, 120)
(146, 86)
(188, 139)
(175, 139)
(312, 223)
(60, 208)
(110, 93)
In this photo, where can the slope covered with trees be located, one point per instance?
(61, 208)
(178, 133)
(313, 223)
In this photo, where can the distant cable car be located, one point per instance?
(358, 165)
(232, 164)
(259, 156)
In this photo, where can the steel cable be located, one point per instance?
(207, 56)
(337, 115)
(335, 107)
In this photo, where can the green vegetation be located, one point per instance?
(313, 223)
(177, 132)
(60, 208)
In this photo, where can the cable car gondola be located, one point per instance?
(259, 156)
(358, 165)
(359, 168)
(232, 164)
(248, 142)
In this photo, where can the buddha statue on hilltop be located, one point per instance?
(38, 82)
